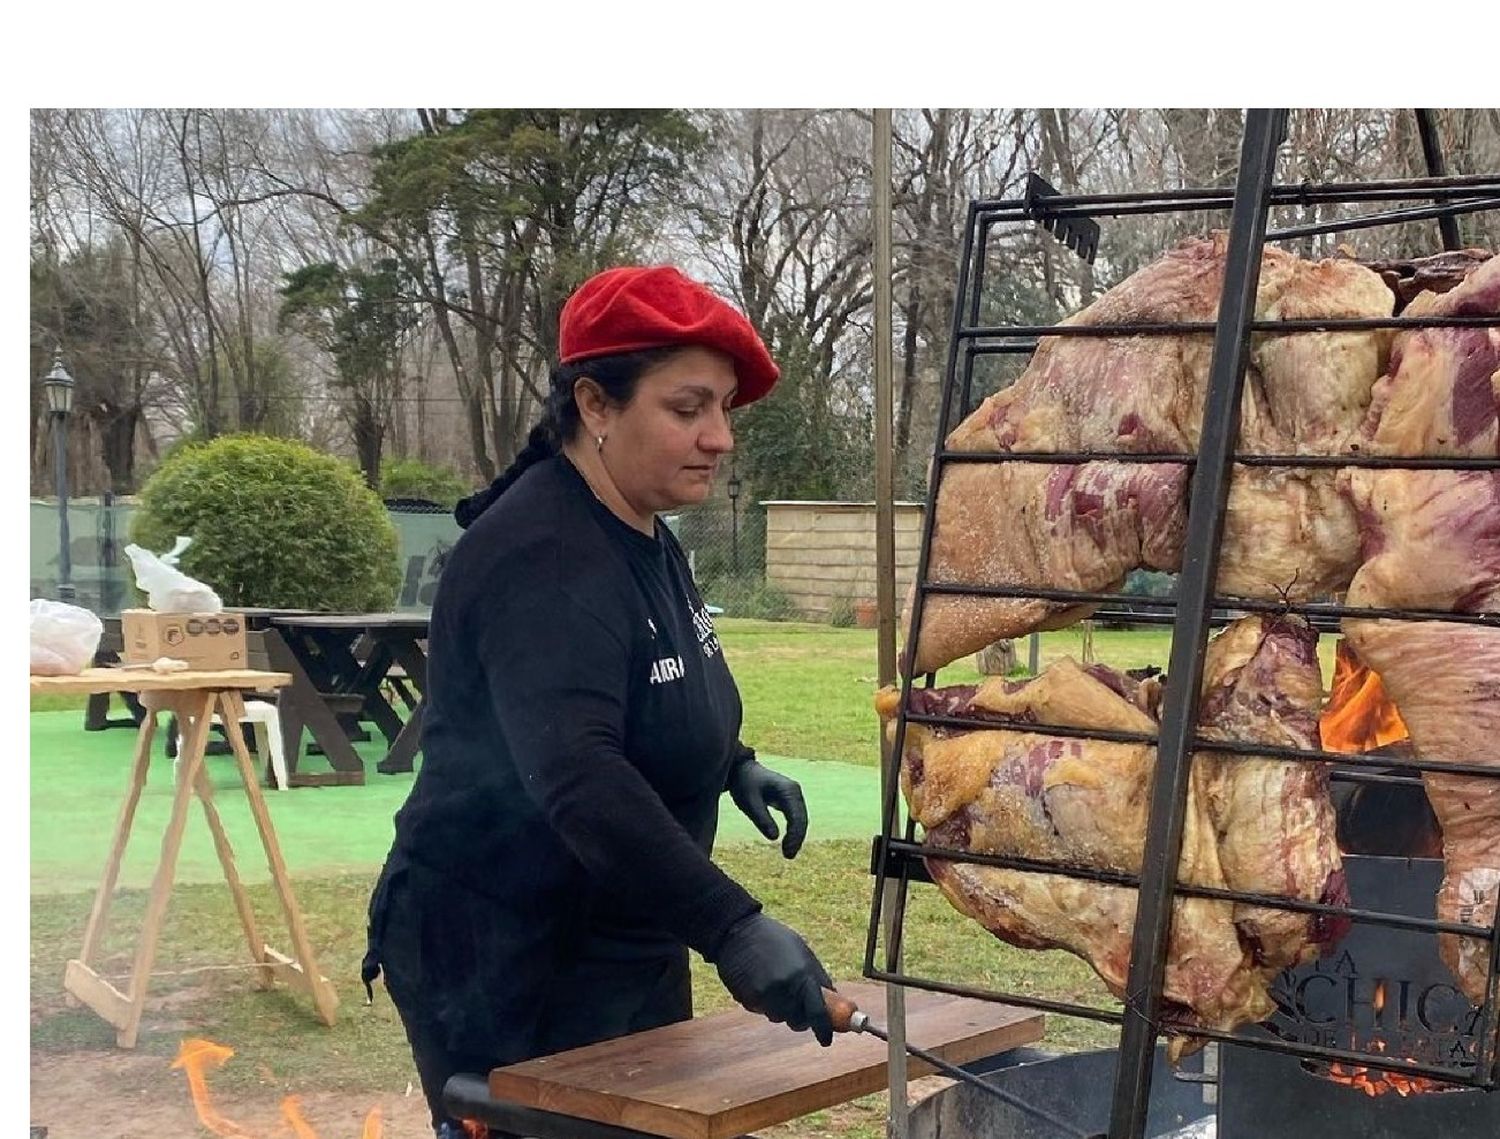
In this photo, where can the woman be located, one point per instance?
(551, 866)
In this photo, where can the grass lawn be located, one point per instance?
(807, 693)
(825, 892)
(808, 689)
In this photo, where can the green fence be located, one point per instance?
(101, 573)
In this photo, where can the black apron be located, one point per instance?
(441, 948)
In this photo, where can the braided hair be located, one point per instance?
(617, 375)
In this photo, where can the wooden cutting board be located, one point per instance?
(728, 1074)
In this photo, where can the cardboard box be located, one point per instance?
(205, 640)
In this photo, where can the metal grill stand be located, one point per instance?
(898, 858)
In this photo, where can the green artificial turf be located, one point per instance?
(78, 781)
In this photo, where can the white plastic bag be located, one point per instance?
(64, 638)
(167, 588)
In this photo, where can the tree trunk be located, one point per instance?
(478, 438)
(998, 659)
(368, 440)
(429, 272)
(117, 438)
(908, 392)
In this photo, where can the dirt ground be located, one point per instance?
(98, 1095)
(122, 1095)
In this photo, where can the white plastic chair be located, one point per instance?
(265, 722)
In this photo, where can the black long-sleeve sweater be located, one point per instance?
(580, 726)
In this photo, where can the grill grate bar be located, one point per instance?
(1119, 878)
(1444, 213)
(1462, 1077)
(1204, 743)
(1246, 604)
(1371, 462)
(1284, 194)
(1206, 327)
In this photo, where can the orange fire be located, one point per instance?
(1374, 1083)
(197, 1057)
(1359, 716)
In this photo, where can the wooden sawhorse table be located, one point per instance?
(195, 697)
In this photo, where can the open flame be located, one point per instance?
(1359, 716)
(198, 1057)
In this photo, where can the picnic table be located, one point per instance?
(333, 687)
(340, 664)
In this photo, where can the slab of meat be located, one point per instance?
(1410, 277)
(1257, 825)
(1034, 524)
(1432, 541)
(1286, 531)
(1275, 821)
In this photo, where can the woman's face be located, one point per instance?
(662, 449)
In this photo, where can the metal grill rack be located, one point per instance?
(897, 859)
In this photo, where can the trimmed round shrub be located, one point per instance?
(274, 524)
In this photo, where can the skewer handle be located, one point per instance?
(844, 1013)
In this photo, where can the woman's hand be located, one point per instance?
(769, 969)
(755, 789)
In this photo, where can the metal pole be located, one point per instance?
(885, 484)
(65, 590)
(1221, 419)
(885, 569)
(1432, 153)
(107, 559)
(734, 532)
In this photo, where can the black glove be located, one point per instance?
(755, 789)
(769, 969)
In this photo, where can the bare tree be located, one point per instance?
(943, 158)
(780, 215)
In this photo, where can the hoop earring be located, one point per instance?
(599, 443)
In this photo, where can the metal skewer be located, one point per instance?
(847, 1017)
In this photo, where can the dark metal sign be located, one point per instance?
(1382, 990)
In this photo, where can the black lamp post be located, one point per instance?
(734, 518)
(59, 388)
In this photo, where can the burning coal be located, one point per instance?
(1374, 1082)
(1377, 1083)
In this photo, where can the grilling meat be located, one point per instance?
(1410, 277)
(1035, 524)
(1432, 541)
(1256, 825)
(1287, 531)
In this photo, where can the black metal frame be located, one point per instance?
(1195, 608)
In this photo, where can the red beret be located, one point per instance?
(636, 307)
